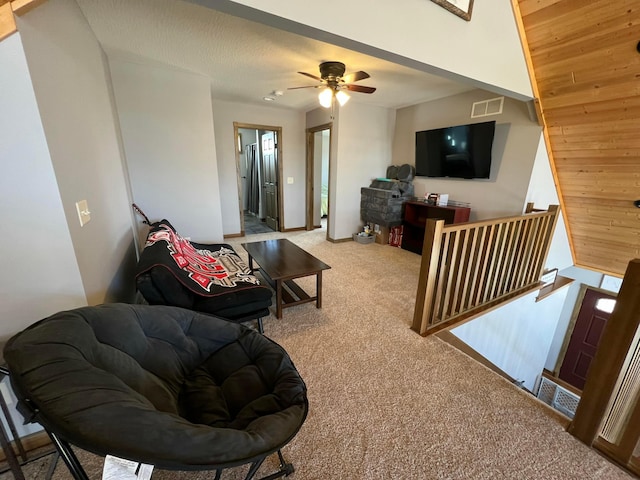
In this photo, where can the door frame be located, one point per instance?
(278, 131)
(310, 183)
(572, 323)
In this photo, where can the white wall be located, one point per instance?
(515, 146)
(167, 129)
(68, 70)
(363, 153)
(293, 161)
(542, 192)
(40, 274)
(417, 33)
(517, 336)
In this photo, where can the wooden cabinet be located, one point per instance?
(414, 219)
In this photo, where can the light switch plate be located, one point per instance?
(289, 180)
(84, 215)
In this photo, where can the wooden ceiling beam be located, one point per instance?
(8, 11)
(20, 7)
(7, 21)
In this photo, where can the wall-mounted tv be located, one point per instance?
(463, 151)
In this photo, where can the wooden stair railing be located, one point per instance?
(470, 268)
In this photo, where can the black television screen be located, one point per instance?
(463, 151)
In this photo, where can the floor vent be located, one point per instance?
(561, 399)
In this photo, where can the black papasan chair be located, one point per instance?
(159, 385)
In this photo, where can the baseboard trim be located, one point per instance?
(234, 235)
(451, 339)
(296, 229)
(340, 240)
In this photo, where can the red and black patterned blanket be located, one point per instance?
(207, 270)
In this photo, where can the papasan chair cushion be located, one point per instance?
(159, 385)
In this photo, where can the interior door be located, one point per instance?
(593, 316)
(270, 180)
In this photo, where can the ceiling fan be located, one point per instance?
(334, 82)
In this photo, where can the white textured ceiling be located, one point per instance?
(246, 61)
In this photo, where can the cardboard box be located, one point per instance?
(382, 236)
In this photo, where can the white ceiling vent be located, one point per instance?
(485, 108)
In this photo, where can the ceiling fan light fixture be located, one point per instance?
(325, 97)
(342, 97)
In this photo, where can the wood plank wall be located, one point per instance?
(585, 66)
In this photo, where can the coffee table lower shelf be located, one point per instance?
(290, 294)
(280, 262)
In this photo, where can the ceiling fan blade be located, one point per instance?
(306, 86)
(359, 88)
(355, 76)
(311, 76)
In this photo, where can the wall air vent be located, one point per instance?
(486, 108)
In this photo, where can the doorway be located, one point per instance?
(318, 160)
(258, 167)
(583, 339)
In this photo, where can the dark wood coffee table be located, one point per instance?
(281, 261)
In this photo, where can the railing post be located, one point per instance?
(428, 276)
(554, 210)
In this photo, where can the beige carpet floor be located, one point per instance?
(386, 403)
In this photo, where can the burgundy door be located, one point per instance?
(586, 335)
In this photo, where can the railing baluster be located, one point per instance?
(477, 266)
(500, 260)
(508, 277)
(463, 259)
(443, 273)
(492, 263)
(468, 271)
(446, 309)
(524, 256)
(486, 256)
(532, 248)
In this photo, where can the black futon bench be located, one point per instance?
(208, 278)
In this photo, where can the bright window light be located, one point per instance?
(606, 305)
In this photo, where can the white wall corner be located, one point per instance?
(542, 192)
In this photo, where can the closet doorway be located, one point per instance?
(258, 154)
(318, 160)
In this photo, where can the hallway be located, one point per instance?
(253, 225)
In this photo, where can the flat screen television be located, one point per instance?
(463, 151)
